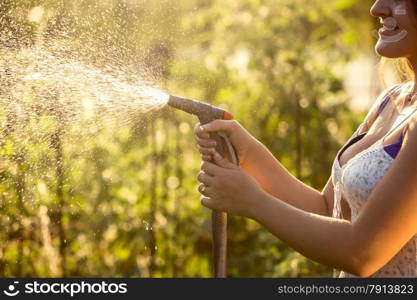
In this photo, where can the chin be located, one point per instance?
(389, 50)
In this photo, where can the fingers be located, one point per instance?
(209, 168)
(205, 145)
(205, 179)
(205, 202)
(211, 203)
(199, 132)
(206, 151)
(222, 162)
(227, 126)
(206, 157)
(201, 188)
(206, 142)
(205, 190)
(219, 125)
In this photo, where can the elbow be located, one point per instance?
(357, 268)
(362, 266)
(367, 267)
(362, 271)
(353, 266)
(362, 262)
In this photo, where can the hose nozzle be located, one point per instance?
(205, 112)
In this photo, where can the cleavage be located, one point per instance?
(359, 146)
(379, 128)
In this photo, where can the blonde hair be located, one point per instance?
(402, 67)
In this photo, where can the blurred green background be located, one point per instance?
(124, 202)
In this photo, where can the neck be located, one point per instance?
(413, 63)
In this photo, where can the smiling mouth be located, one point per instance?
(390, 31)
(389, 26)
(392, 36)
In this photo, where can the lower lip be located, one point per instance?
(388, 32)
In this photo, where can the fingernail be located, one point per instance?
(206, 126)
(217, 155)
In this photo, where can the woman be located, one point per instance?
(364, 222)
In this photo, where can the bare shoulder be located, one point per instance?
(410, 136)
(373, 110)
(396, 88)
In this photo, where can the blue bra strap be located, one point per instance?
(381, 108)
(387, 99)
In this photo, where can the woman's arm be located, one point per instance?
(258, 161)
(323, 239)
(385, 224)
(275, 179)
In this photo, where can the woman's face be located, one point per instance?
(397, 36)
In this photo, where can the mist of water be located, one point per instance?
(75, 90)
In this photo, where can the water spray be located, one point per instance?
(207, 113)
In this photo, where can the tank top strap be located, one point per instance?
(383, 104)
(387, 98)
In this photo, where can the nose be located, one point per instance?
(380, 9)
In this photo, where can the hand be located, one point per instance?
(240, 138)
(227, 187)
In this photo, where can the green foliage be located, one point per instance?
(123, 200)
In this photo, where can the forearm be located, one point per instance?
(275, 179)
(320, 238)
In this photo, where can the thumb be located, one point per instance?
(222, 162)
(220, 125)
